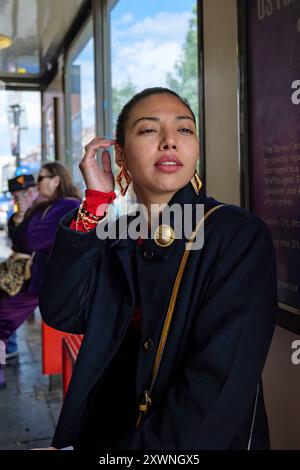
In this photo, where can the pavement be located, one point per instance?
(31, 402)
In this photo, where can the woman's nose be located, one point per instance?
(168, 141)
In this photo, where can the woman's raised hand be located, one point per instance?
(23, 206)
(100, 179)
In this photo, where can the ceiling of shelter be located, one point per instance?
(35, 29)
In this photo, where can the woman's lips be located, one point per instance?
(168, 163)
(168, 168)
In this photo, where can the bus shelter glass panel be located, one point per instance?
(81, 84)
(20, 134)
(153, 44)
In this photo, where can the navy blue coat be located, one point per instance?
(205, 396)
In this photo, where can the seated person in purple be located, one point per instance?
(25, 194)
(32, 232)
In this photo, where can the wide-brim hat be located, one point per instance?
(20, 182)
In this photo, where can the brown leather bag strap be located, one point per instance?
(146, 401)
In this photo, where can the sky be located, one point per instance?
(146, 41)
(143, 8)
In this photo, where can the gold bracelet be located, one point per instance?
(81, 217)
(87, 219)
(89, 214)
(84, 219)
(86, 227)
(78, 216)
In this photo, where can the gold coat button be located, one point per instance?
(164, 235)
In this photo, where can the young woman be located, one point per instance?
(32, 231)
(206, 392)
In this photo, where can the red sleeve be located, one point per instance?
(95, 202)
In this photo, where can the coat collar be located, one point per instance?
(185, 195)
(124, 244)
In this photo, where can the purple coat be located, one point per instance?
(36, 235)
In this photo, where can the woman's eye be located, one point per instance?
(185, 130)
(146, 131)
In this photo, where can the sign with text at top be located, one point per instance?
(273, 63)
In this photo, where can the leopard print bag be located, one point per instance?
(14, 271)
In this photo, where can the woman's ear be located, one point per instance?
(119, 155)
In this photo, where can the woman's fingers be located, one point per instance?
(106, 163)
(97, 177)
(92, 147)
(98, 141)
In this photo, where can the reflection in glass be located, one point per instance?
(19, 22)
(20, 134)
(82, 84)
(35, 30)
(50, 133)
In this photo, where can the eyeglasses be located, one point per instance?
(41, 177)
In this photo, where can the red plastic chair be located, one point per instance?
(70, 348)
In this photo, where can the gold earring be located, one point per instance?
(123, 174)
(196, 182)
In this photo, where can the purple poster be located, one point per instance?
(273, 43)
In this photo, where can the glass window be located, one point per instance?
(81, 96)
(153, 44)
(20, 134)
(50, 132)
(31, 32)
(19, 38)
